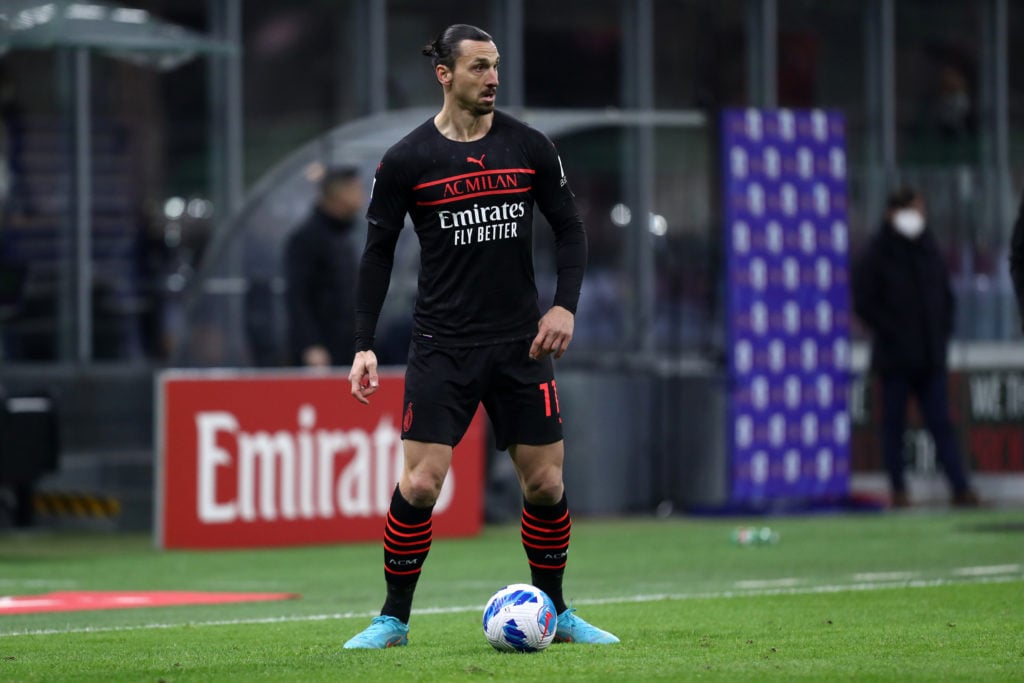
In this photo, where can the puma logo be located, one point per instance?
(479, 161)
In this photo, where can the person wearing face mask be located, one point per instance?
(902, 293)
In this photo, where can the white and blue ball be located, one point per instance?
(520, 618)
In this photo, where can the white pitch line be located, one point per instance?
(987, 571)
(768, 583)
(885, 576)
(656, 597)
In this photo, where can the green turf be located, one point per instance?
(921, 596)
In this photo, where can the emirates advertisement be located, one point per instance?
(252, 460)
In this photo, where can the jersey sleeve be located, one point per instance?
(556, 202)
(551, 187)
(389, 203)
(372, 282)
(390, 196)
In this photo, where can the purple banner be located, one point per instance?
(787, 269)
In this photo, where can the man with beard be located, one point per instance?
(469, 178)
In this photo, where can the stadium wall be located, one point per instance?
(639, 440)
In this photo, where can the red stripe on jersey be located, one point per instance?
(516, 190)
(475, 174)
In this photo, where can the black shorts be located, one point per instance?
(444, 386)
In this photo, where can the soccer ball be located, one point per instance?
(520, 618)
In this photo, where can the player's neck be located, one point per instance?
(461, 125)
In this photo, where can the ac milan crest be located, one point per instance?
(407, 418)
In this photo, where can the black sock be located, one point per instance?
(545, 531)
(407, 537)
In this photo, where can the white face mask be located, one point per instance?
(908, 222)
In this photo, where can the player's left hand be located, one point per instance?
(554, 332)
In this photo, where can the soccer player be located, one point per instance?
(469, 179)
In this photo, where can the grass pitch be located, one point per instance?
(916, 596)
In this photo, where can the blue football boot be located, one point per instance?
(572, 629)
(381, 633)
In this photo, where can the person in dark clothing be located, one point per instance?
(469, 178)
(320, 269)
(902, 292)
(1017, 260)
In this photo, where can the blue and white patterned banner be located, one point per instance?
(787, 268)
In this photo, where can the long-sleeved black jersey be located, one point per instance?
(471, 204)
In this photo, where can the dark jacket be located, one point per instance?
(902, 292)
(320, 269)
(1017, 260)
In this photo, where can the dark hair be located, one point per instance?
(336, 177)
(445, 48)
(902, 198)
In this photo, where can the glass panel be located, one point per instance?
(34, 201)
(574, 52)
(123, 173)
(593, 163)
(821, 61)
(938, 119)
(1015, 67)
(300, 75)
(148, 141)
(686, 239)
(38, 241)
(937, 62)
(699, 54)
(682, 236)
(153, 179)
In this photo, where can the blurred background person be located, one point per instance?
(1017, 260)
(902, 292)
(320, 269)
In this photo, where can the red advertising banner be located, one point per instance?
(258, 459)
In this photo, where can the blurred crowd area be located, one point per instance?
(306, 68)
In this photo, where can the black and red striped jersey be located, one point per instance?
(471, 204)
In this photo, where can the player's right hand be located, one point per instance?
(363, 376)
